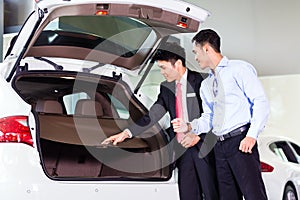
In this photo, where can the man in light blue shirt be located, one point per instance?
(236, 109)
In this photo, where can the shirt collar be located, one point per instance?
(183, 79)
(223, 63)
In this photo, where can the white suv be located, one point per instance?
(75, 74)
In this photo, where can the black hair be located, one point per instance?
(170, 52)
(208, 36)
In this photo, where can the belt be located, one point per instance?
(233, 133)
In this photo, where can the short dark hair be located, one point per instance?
(208, 36)
(170, 52)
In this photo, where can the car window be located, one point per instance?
(121, 36)
(283, 150)
(297, 150)
(151, 85)
(278, 151)
(122, 111)
(71, 100)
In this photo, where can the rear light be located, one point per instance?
(266, 167)
(15, 129)
(182, 22)
(182, 25)
(102, 12)
(102, 9)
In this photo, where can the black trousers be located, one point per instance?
(196, 176)
(239, 174)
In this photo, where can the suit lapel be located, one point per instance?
(170, 98)
(191, 99)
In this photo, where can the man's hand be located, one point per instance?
(179, 125)
(189, 140)
(115, 139)
(247, 144)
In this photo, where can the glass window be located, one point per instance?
(121, 36)
(278, 151)
(151, 85)
(283, 150)
(71, 100)
(122, 111)
(296, 148)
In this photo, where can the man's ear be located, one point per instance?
(178, 63)
(205, 47)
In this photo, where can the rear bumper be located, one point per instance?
(22, 177)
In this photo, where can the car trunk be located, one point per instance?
(70, 130)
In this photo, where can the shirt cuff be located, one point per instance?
(252, 134)
(194, 126)
(128, 132)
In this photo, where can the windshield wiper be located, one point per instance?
(56, 66)
(88, 70)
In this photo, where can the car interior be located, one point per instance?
(76, 112)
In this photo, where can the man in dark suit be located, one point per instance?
(196, 176)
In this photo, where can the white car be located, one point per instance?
(280, 161)
(74, 75)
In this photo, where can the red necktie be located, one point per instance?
(179, 112)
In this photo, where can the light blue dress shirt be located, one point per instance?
(235, 99)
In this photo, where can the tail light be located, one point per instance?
(15, 129)
(102, 9)
(182, 25)
(266, 167)
(101, 12)
(183, 22)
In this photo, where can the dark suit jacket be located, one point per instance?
(166, 103)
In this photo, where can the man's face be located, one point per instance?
(169, 71)
(201, 55)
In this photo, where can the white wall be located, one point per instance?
(15, 13)
(6, 40)
(284, 96)
(263, 32)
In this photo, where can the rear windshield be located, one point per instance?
(121, 36)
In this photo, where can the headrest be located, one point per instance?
(49, 106)
(88, 107)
